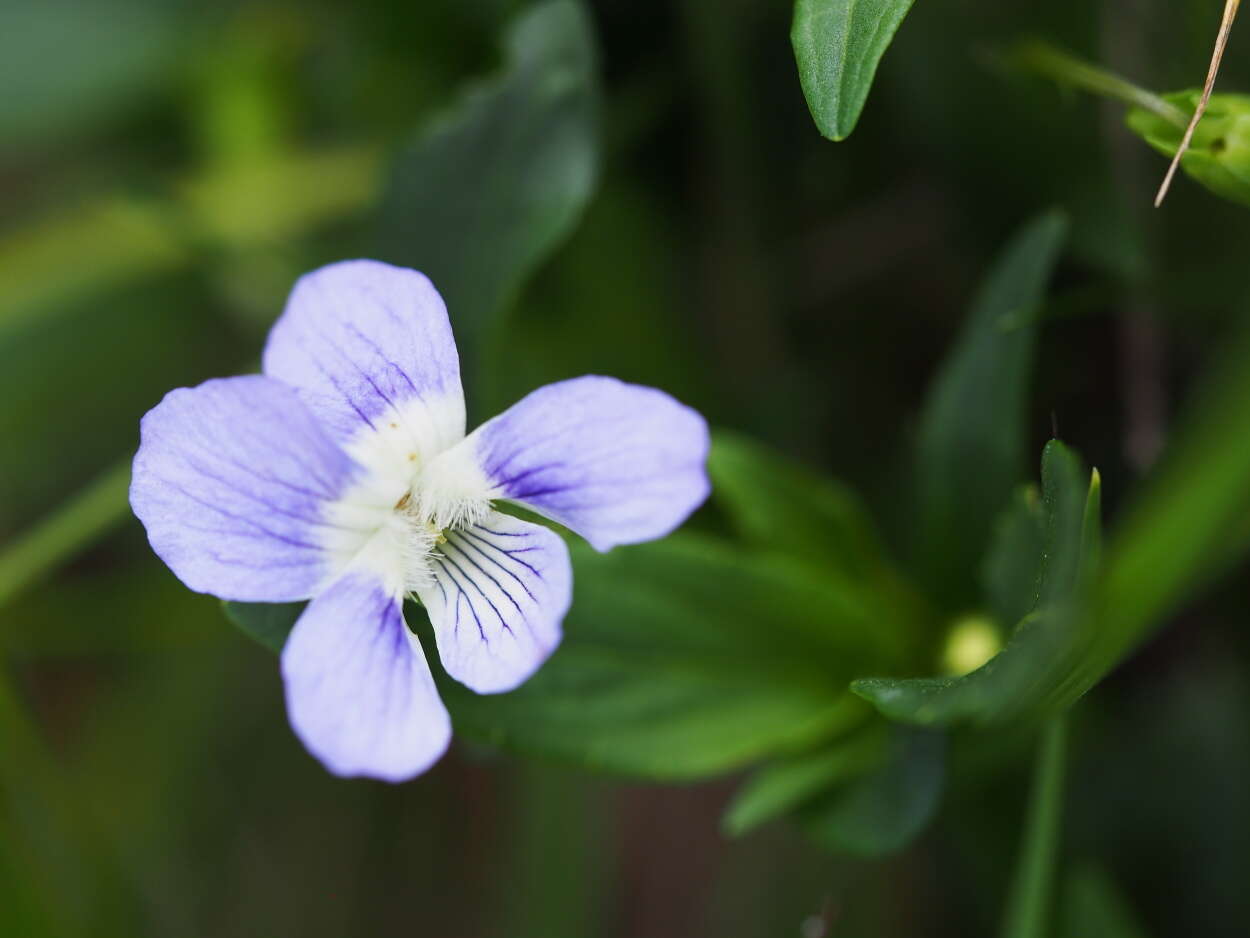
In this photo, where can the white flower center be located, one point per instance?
(417, 484)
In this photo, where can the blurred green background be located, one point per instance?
(168, 168)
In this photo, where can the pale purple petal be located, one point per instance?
(358, 689)
(500, 591)
(232, 480)
(617, 463)
(369, 346)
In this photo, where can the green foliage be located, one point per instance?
(838, 44)
(168, 169)
(1092, 904)
(1185, 527)
(778, 504)
(972, 430)
(267, 623)
(490, 187)
(1039, 657)
(868, 793)
(687, 657)
(1219, 154)
(99, 73)
(788, 784)
(1013, 562)
(882, 810)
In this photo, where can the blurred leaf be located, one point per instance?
(71, 66)
(776, 503)
(1039, 656)
(1013, 562)
(686, 657)
(838, 44)
(1187, 525)
(642, 305)
(972, 429)
(43, 828)
(77, 254)
(1091, 905)
(80, 520)
(489, 188)
(785, 785)
(76, 384)
(884, 810)
(267, 623)
(1219, 154)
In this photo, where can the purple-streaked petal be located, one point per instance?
(369, 347)
(232, 481)
(500, 591)
(358, 689)
(617, 463)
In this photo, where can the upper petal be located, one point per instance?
(358, 689)
(232, 481)
(499, 593)
(617, 463)
(371, 350)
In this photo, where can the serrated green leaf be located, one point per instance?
(488, 189)
(1219, 154)
(838, 45)
(1041, 653)
(687, 657)
(972, 429)
(885, 809)
(267, 623)
(788, 784)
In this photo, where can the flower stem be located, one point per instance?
(90, 513)
(1045, 59)
(1028, 906)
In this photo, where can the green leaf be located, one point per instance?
(1093, 905)
(972, 429)
(1219, 154)
(1013, 562)
(127, 56)
(687, 657)
(778, 504)
(490, 188)
(1041, 653)
(786, 785)
(838, 44)
(885, 809)
(267, 623)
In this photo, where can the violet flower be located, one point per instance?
(343, 474)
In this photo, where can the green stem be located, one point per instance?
(1028, 906)
(90, 513)
(1045, 59)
